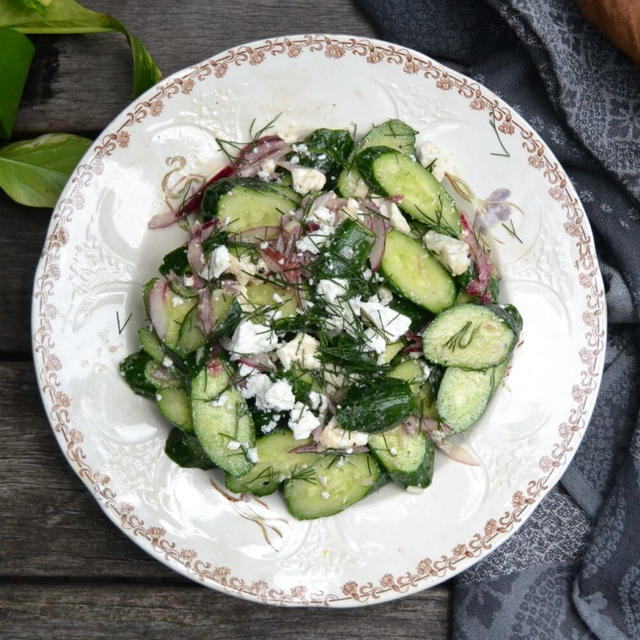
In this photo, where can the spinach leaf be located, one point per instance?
(16, 52)
(33, 172)
(67, 16)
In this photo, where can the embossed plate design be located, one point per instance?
(87, 306)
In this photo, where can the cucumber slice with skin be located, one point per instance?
(471, 336)
(186, 451)
(392, 133)
(393, 173)
(463, 396)
(247, 203)
(150, 343)
(174, 405)
(276, 463)
(408, 458)
(376, 407)
(416, 273)
(335, 484)
(221, 419)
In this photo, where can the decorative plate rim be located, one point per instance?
(429, 571)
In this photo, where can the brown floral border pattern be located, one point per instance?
(49, 365)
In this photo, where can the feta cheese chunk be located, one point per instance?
(374, 341)
(453, 253)
(391, 211)
(307, 179)
(219, 262)
(429, 152)
(252, 337)
(302, 421)
(333, 289)
(391, 323)
(279, 397)
(334, 437)
(301, 351)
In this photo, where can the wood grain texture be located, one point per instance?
(130, 610)
(80, 83)
(20, 247)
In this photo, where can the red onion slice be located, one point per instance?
(205, 311)
(438, 433)
(255, 153)
(157, 301)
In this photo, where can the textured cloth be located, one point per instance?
(573, 570)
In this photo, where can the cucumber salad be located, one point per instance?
(330, 320)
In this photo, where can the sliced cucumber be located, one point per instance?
(391, 351)
(247, 203)
(416, 273)
(266, 296)
(276, 463)
(132, 370)
(463, 396)
(161, 377)
(167, 310)
(393, 173)
(392, 133)
(175, 407)
(150, 343)
(221, 419)
(336, 483)
(376, 406)
(348, 252)
(408, 458)
(471, 336)
(186, 451)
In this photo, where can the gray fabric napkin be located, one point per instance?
(573, 570)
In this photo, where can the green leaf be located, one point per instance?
(16, 52)
(67, 16)
(33, 172)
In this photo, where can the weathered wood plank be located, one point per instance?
(122, 611)
(20, 246)
(47, 513)
(79, 83)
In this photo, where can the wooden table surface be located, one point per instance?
(68, 572)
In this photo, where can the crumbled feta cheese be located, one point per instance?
(385, 296)
(300, 147)
(307, 179)
(301, 351)
(453, 253)
(177, 301)
(314, 241)
(279, 396)
(390, 322)
(188, 281)
(429, 152)
(233, 445)
(391, 211)
(333, 289)
(374, 341)
(252, 454)
(334, 437)
(393, 451)
(167, 362)
(323, 214)
(252, 337)
(277, 297)
(264, 244)
(219, 262)
(325, 495)
(302, 421)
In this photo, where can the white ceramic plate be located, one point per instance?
(87, 307)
